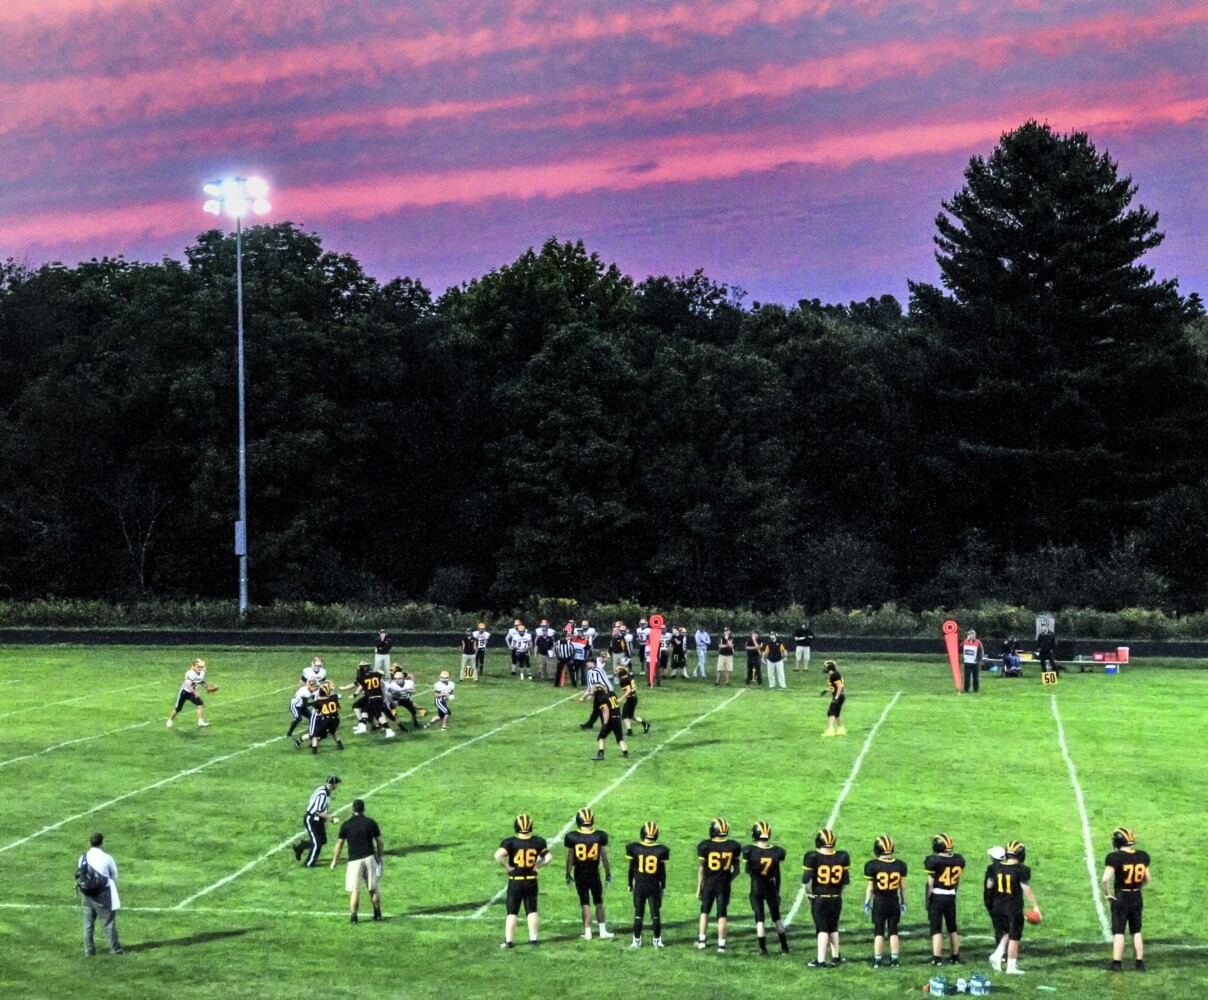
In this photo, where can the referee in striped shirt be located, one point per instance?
(314, 822)
(597, 675)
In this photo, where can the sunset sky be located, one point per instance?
(794, 148)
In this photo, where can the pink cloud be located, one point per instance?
(683, 160)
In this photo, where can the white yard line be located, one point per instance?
(139, 791)
(855, 769)
(364, 795)
(67, 701)
(1091, 869)
(68, 743)
(557, 838)
(136, 725)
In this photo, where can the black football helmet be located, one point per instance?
(1016, 850)
(882, 845)
(1122, 836)
(762, 830)
(585, 817)
(523, 823)
(650, 831)
(824, 838)
(941, 843)
(719, 827)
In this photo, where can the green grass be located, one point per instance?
(984, 769)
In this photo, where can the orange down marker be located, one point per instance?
(653, 643)
(954, 651)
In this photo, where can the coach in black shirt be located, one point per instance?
(364, 840)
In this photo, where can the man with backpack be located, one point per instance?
(96, 879)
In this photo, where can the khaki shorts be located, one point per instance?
(725, 664)
(361, 870)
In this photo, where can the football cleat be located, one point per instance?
(1122, 836)
(202, 723)
(388, 733)
(650, 831)
(761, 830)
(1016, 850)
(358, 729)
(941, 843)
(658, 942)
(719, 827)
(585, 817)
(824, 838)
(523, 823)
(882, 845)
(169, 723)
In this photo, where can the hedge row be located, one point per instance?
(991, 619)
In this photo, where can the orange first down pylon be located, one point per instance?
(954, 651)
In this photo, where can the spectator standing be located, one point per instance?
(469, 650)
(803, 639)
(702, 639)
(103, 904)
(544, 638)
(754, 659)
(972, 655)
(381, 652)
(364, 840)
(725, 658)
(1046, 650)
(773, 654)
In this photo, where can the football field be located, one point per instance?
(200, 822)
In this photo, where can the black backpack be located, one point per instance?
(88, 880)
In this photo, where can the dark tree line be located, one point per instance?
(1031, 431)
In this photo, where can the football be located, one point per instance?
(1033, 916)
(211, 688)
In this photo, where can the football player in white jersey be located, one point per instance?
(400, 690)
(481, 636)
(522, 646)
(315, 672)
(442, 692)
(302, 703)
(511, 638)
(194, 682)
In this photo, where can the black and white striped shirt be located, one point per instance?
(598, 675)
(318, 801)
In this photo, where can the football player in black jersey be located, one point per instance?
(763, 865)
(610, 715)
(647, 881)
(586, 849)
(521, 856)
(885, 899)
(718, 863)
(838, 695)
(1125, 874)
(944, 868)
(324, 718)
(825, 871)
(629, 702)
(1007, 882)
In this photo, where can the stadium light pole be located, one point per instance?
(236, 196)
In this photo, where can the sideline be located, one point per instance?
(1092, 871)
(557, 838)
(364, 795)
(855, 769)
(139, 791)
(137, 725)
